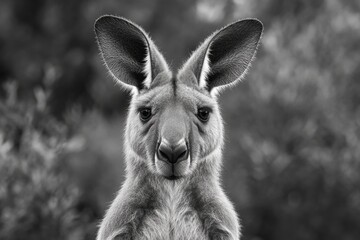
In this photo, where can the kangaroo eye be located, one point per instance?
(204, 114)
(145, 114)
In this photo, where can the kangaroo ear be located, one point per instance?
(225, 56)
(129, 54)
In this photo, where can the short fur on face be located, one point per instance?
(174, 117)
(174, 132)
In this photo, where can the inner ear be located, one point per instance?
(136, 48)
(129, 54)
(224, 57)
(231, 52)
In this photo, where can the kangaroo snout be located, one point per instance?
(172, 153)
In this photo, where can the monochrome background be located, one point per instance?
(292, 155)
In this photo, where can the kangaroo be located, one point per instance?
(174, 132)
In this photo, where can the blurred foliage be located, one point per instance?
(37, 198)
(292, 156)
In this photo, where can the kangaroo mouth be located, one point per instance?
(172, 177)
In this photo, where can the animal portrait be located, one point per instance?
(174, 132)
(179, 120)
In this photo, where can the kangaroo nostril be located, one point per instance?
(182, 154)
(163, 155)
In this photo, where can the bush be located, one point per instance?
(37, 198)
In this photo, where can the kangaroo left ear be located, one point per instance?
(225, 56)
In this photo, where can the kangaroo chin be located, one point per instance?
(174, 132)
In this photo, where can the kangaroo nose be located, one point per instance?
(172, 154)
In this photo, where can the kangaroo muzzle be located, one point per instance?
(173, 153)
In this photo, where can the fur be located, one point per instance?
(190, 203)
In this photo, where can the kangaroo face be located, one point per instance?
(174, 121)
(173, 126)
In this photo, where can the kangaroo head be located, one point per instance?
(174, 123)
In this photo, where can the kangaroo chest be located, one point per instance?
(173, 219)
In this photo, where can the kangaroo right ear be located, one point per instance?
(129, 54)
(225, 56)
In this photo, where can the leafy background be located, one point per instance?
(292, 157)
